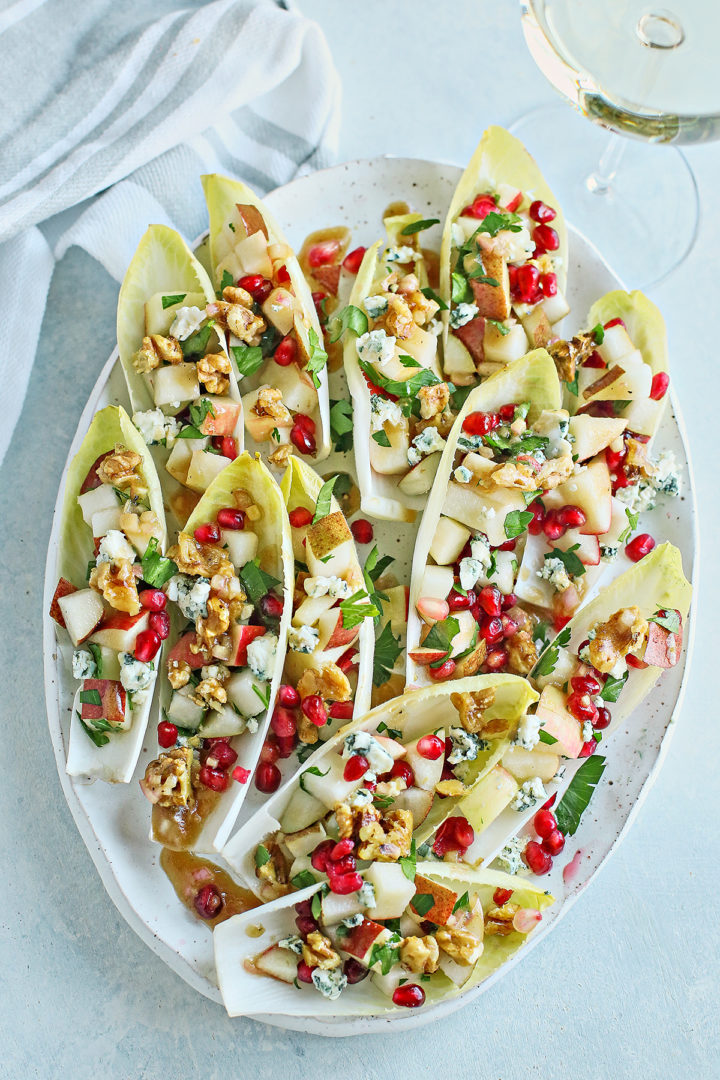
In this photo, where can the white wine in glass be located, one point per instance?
(640, 71)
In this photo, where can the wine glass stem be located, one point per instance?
(599, 181)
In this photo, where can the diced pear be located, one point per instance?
(421, 345)
(470, 508)
(458, 364)
(587, 548)
(489, 797)
(449, 540)
(159, 319)
(241, 690)
(537, 327)
(295, 385)
(388, 984)
(524, 764)
(493, 301)
(252, 252)
(304, 841)
(183, 711)
(417, 801)
(175, 382)
(427, 773)
(565, 666)
(105, 520)
(529, 586)
(393, 891)
(97, 499)
(615, 345)
(437, 581)
(309, 611)
(457, 973)
(591, 490)
(593, 433)
(420, 478)
(505, 571)
(279, 309)
(241, 545)
(643, 417)
(555, 307)
(222, 724)
(203, 469)
(391, 460)
(224, 416)
(82, 611)
(615, 384)
(331, 788)
(329, 536)
(502, 348)
(280, 964)
(444, 899)
(336, 907)
(260, 428)
(302, 810)
(395, 608)
(558, 722)
(178, 461)
(463, 639)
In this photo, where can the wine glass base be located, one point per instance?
(645, 220)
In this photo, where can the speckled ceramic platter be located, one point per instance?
(113, 821)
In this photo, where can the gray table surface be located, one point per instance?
(627, 986)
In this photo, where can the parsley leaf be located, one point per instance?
(324, 499)
(227, 281)
(419, 226)
(548, 660)
(430, 294)
(249, 358)
(349, 318)
(314, 771)
(386, 954)
(409, 863)
(318, 357)
(515, 447)
(262, 855)
(171, 301)
(409, 361)
(461, 902)
(391, 732)
(156, 569)
(199, 410)
(380, 438)
(631, 526)
(516, 522)
(501, 328)
(90, 697)
(547, 738)
(460, 289)
(441, 635)
(569, 559)
(494, 223)
(341, 425)
(356, 608)
(387, 650)
(598, 332)
(573, 386)
(372, 570)
(97, 657)
(96, 736)
(255, 581)
(316, 906)
(669, 620)
(611, 689)
(410, 388)
(422, 903)
(303, 880)
(575, 800)
(196, 344)
(460, 395)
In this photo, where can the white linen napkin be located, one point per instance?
(135, 101)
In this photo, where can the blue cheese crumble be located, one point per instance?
(511, 855)
(303, 639)
(427, 442)
(327, 586)
(553, 570)
(463, 475)
(190, 594)
(293, 943)
(330, 983)
(186, 322)
(665, 478)
(261, 655)
(530, 794)
(366, 895)
(114, 546)
(528, 733)
(353, 920)
(383, 411)
(462, 314)
(609, 552)
(361, 797)
(480, 546)
(465, 745)
(360, 742)
(375, 347)
(83, 665)
(155, 426)
(471, 570)
(402, 254)
(134, 674)
(375, 305)
(587, 731)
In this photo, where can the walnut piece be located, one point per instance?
(235, 295)
(420, 954)
(318, 952)
(274, 872)
(526, 476)
(210, 693)
(422, 308)
(433, 400)
(398, 319)
(178, 673)
(625, 631)
(269, 403)
(168, 779)
(213, 371)
(522, 653)
(568, 354)
(460, 945)
(386, 840)
(216, 624)
(499, 920)
(145, 524)
(471, 707)
(200, 560)
(118, 585)
(119, 468)
(154, 350)
(280, 457)
(330, 683)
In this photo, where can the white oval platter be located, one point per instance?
(113, 820)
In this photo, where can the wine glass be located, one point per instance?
(647, 75)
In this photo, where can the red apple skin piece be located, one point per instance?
(63, 588)
(252, 219)
(181, 650)
(328, 276)
(120, 620)
(656, 650)
(472, 335)
(341, 636)
(92, 480)
(361, 938)
(444, 900)
(112, 701)
(426, 656)
(241, 637)
(224, 420)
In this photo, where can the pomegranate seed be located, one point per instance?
(432, 609)
(541, 212)
(286, 745)
(585, 684)
(271, 606)
(152, 599)
(344, 884)
(342, 867)
(228, 447)
(355, 767)
(538, 522)
(362, 530)
(512, 275)
(159, 622)
(509, 545)
(215, 779)
(224, 755)
(430, 747)
(208, 902)
(402, 771)
(269, 752)
(501, 896)
(614, 322)
(572, 517)
(463, 831)
(304, 972)
(306, 423)
(147, 644)
(480, 423)
(507, 412)
(288, 696)
(283, 275)
(229, 518)
(544, 823)
(267, 777)
(321, 854)
(553, 526)
(304, 907)
(550, 803)
(341, 710)
(341, 849)
(347, 661)
(370, 785)
(559, 622)
(546, 238)
(639, 547)
(659, 385)
(207, 534)
(548, 284)
(538, 861)
(258, 286)
(512, 206)
(167, 734)
(445, 671)
(315, 710)
(302, 439)
(510, 626)
(496, 660)
(410, 996)
(603, 719)
(635, 662)
(509, 600)
(594, 360)
(491, 628)
(353, 259)
(528, 282)
(306, 925)
(457, 602)
(480, 207)
(614, 458)
(241, 775)
(588, 748)
(526, 919)
(283, 722)
(581, 707)
(323, 253)
(353, 970)
(299, 517)
(318, 299)
(490, 600)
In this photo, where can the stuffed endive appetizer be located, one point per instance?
(327, 677)
(275, 338)
(503, 264)
(172, 349)
(411, 936)
(110, 555)
(401, 406)
(228, 581)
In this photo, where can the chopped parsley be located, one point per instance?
(156, 569)
(575, 800)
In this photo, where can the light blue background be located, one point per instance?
(627, 986)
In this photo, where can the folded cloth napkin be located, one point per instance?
(135, 101)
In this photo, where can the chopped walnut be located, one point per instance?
(274, 872)
(145, 524)
(308, 732)
(526, 475)
(433, 399)
(200, 560)
(244, 324)
(420, 954)
(118, 585)
(345, 816)
(624, 632)
(422, 308)
(522, 653)
(471, 664)
(216, 623)
(235, 295)
(269, 403)
(330, 683)
(213, 371)
(499, 920)
(460, 945)
(386, 840)
(398, 319)
(178, 673)
(318, 952)
(154, 349)
(452, 788)
(280, 457)
(636, 462)
(568, 354)
(521, 617)
(210, 693)
(119, 468)
(471, 707)
(168, 779)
